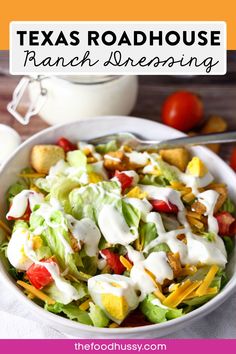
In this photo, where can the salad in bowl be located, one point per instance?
(113, 237)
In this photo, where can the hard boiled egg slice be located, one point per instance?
(16, 249)
(114, 294)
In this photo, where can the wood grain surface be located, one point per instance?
(218, 94)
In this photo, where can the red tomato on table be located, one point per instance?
(182, 110)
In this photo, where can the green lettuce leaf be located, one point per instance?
(229, 244)
(53, 236)
(105, 148)
(77, 158)
(157, 314)
(154, 180)
(72, 311)
(61, 189)
(132, 215)
(97, 316)
(89, 200)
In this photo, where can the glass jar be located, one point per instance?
(61, 99)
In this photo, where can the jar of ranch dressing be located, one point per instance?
(61, 99)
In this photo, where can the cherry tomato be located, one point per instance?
(24, 217)
(66, 145)
(162, 207)
(113, 260)
(226, 223)
(125, 180)
(232, 161)
(182, 110)
(39, 276)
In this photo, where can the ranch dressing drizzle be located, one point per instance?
(209, 199)
(85, 231)
(158, 265)
(114, 227)
(21, 201)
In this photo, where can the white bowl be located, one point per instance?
(85, 130)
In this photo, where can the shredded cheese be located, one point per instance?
(85, 305)
(31, 175)
(126, 263)
(157, 292)
(38, 293)
(177, 296)
(207, 280)
(113, 325)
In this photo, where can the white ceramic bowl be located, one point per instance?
(85, 130)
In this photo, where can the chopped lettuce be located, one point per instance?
(55, 235)
(97, 316)
(229, 244)
(105, 148)
(60, 190)
(132, 215)
(77, 159)
(154, 180)
(72, 311)
(89, 200)
(157, 314)
(147, 232)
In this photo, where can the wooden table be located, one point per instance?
(218, 94)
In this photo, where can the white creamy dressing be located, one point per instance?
(87, 232)
(142, 205)
(21, 201)
(113, 284)
(98, 168)
(158, 265)
(85, 146)
(195, 182)
(209, 199)
(114, 227)
(112, 158)
(158, 303)
(134, 175)
(138, 158)
(163, 193)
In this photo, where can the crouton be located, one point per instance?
(222, 190)
(223, 193)
(45, 156)
(116, 160)
(214, 124)
(178, 157)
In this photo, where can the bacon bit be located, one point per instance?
(175, 264)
